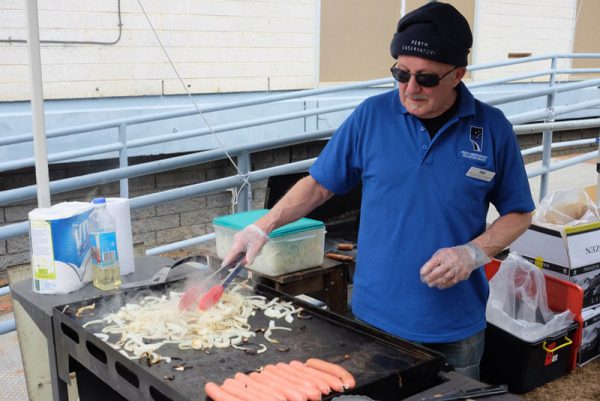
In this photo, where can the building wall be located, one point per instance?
(355, 36)
(506, 28)
(587, 33)
(221, 46)
(355, 39)
(216, 45)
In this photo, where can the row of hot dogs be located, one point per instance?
(295, 381)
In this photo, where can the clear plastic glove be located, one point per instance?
(448, 266)
(249, 241)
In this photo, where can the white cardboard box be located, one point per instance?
(590, 339)
(572, 255)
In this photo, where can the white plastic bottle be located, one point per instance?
(103, 243)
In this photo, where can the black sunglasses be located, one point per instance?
(425, 80)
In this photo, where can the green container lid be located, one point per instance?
(239, 221)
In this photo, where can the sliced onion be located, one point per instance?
(145, 327)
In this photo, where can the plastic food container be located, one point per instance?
(293, 247)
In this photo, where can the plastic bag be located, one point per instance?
(566, 208)
(518, 302)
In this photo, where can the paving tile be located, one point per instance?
(12, 378)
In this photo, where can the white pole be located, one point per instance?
(598, 178)
(317, 71)
(37, 104)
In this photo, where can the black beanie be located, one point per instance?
(435, 31)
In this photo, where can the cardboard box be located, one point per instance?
(590, 339)
(572, 255)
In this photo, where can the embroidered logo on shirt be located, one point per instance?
(476, 138)
(474, 156)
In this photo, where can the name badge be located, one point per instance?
(480, 174)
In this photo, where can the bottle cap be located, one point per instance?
(98, 201)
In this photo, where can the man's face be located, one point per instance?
(426, 102)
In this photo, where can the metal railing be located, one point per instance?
(520, 121)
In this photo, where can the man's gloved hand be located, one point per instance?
(448, 266)
(249, 241)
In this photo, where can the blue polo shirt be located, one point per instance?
(419, 195)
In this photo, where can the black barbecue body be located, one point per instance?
(340, 213)
(385, 367)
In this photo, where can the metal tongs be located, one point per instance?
(198, 261)
(469, 394)
(199, 297)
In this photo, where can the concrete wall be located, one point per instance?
(535, 27)
(180, 220)
(355, 39)
(355, 36)
(216, 45)
(221, 46)
(587, 33)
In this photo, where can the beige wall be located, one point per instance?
(355, 36)
(587, 33)
(355, 39)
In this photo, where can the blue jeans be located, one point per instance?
(463, 355)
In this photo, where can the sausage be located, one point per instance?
(340, 257)
(335, 383)
(290, 393)
(217, 394)
(343, 246)
(333, 369)
(260, 387)
(244, 392)
(238, 390)
(312, 392)
(291, 377)
(265, 392)
(258, 394)
(315, 381)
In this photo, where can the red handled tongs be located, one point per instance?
(198, 297)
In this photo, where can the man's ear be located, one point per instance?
(458, 75)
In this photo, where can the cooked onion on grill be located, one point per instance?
(155, 321)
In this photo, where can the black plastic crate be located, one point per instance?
(524, 365)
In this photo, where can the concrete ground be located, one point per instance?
(12, 381)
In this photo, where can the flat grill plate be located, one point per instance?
(375, 359)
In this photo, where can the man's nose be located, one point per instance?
(412, 86)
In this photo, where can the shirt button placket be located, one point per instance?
(424, 141)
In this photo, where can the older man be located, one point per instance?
(431, 158)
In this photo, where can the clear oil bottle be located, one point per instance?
(103, 243)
